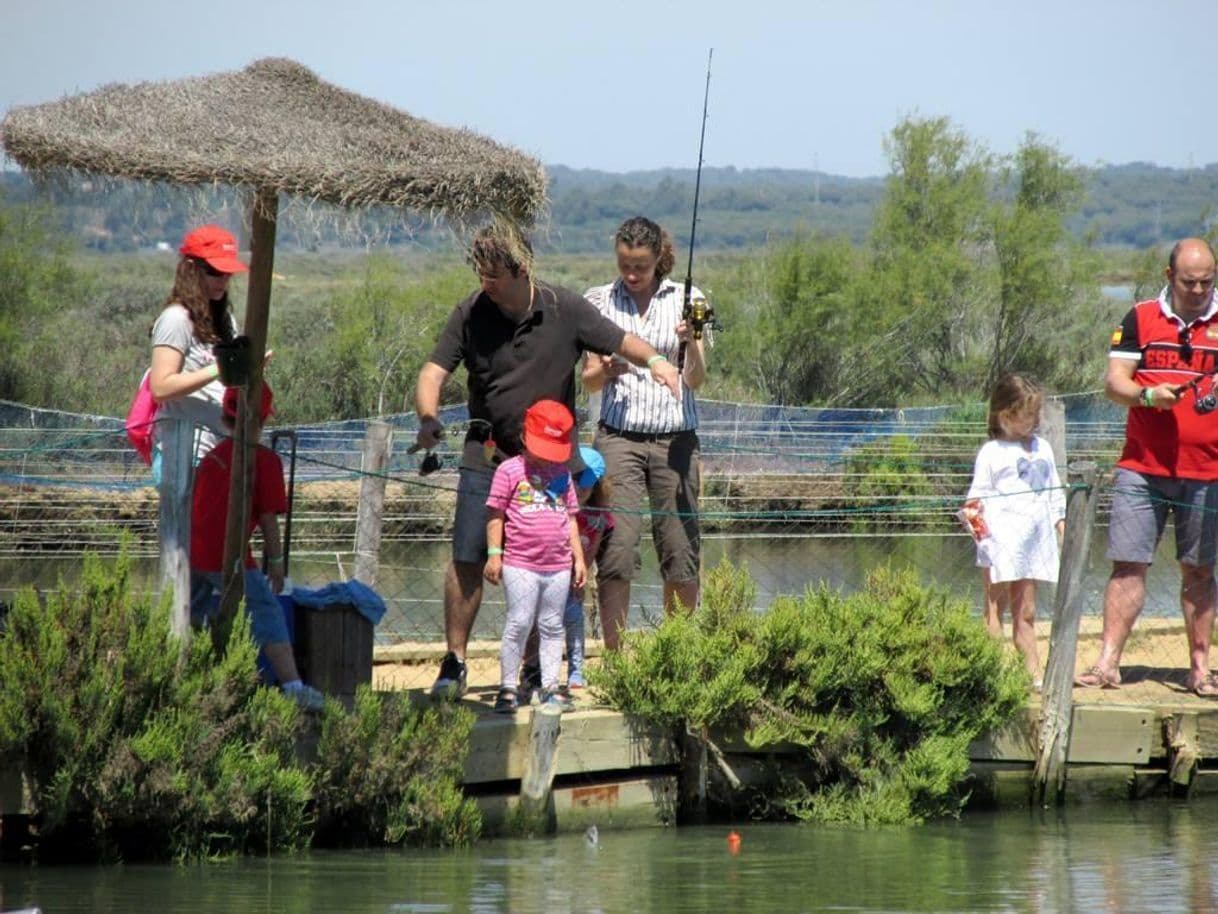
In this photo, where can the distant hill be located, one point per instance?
(1133, 205)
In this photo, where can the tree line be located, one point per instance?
(1132, 205)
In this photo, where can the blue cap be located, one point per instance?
(594, 467)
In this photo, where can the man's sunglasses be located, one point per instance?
(1186, 345)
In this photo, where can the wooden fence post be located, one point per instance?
(536, 808)
(176, 437)
(1057, 706)
(378, 442)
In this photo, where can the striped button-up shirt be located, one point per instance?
(636, 402)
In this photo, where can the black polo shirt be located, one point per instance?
(513, 365)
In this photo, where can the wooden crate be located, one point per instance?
(333, 649)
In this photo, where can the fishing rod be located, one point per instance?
(697, 312)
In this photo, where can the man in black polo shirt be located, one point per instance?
(520, 340)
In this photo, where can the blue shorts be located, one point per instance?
(1140, 506)
(469, 523)
(266, 614)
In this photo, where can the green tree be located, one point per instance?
(918, 303)
(361, 354)
(1040, 273)
(800, 307)
(37, 281)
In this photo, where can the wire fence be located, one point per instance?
(801, 497)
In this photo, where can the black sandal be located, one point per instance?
(507, 701)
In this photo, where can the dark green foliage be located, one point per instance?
(136, 748)
(882, 690)
(388, 773)
(887, 482)
(37, 280)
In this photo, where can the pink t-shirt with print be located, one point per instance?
(537, 531)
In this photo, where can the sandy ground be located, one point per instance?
(1153, 669)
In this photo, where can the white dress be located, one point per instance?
(1022, 500)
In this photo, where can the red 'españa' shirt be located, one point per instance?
(1180, 442)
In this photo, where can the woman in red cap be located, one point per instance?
(184, 377)
(533, 547)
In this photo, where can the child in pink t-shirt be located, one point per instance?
(533, 546)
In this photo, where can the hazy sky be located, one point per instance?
(618, 85)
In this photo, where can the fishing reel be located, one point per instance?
(699, 314)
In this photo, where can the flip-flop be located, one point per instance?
(1207, 687)
(1095, 678)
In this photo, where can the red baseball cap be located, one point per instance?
(547, 431)
(229, 405)
(215, 246)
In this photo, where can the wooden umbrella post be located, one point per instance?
(257, 310)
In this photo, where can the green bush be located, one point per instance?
(136, 748)
(389, 773)
(888, 483)
(881, 691)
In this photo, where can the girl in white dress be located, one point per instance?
(1015, 511)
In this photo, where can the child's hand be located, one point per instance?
(493, 571)
(579, 574)
(274, 575)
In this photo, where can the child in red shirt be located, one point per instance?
(208, 521)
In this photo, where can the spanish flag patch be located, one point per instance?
(1116, 336)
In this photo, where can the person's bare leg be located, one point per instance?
(1197, 604)
(462, 597)
(685, 591)
(1123, 599)
(614, 596)
(282, 660)
(995, 596)
(1023, 623)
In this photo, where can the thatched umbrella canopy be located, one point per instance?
(274, 128)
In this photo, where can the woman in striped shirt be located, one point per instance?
(648, 437)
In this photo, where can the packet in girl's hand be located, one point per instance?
(974, 523)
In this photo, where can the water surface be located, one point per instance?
(1148, 856)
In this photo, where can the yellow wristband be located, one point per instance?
(214, 370)
(656, 358)
(494, 550)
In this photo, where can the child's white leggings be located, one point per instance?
(533, 596)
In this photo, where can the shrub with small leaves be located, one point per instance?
(882, 691)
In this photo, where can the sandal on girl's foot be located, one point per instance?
(1206, 687)
(1094, 677)
(507, 701)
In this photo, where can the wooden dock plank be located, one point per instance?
(592, 741)
(632, 803)
(1103, 734)
(1111, 735)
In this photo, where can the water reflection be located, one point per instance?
(1148, 856)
